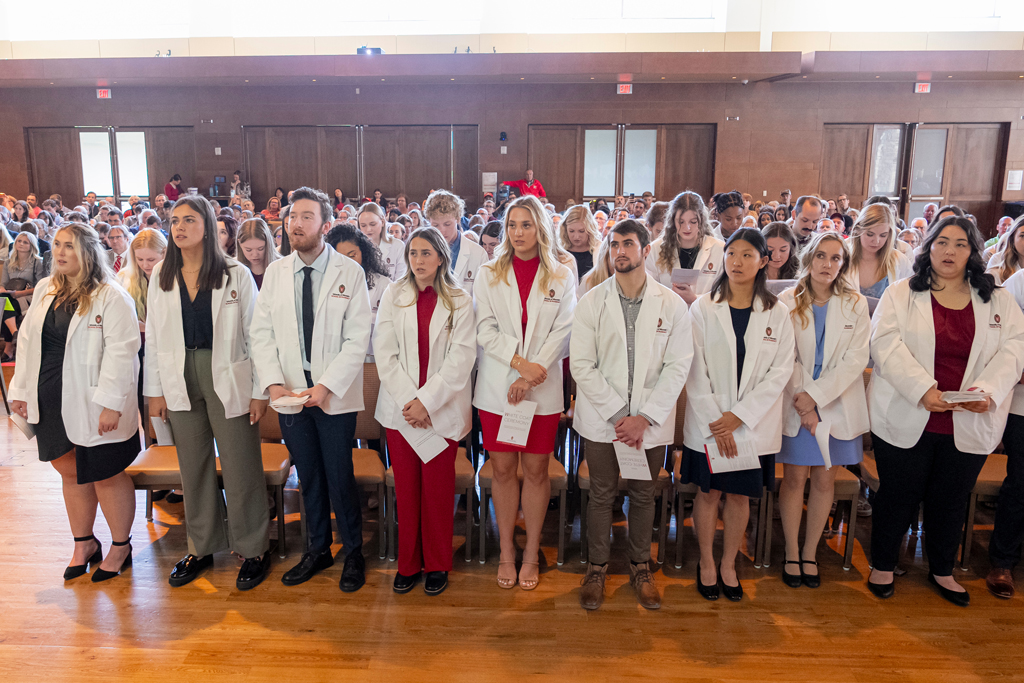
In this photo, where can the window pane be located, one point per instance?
(599, 163)
(96, 173)
(132, 172)
(929, 159)
(639, 161)
(885, 161)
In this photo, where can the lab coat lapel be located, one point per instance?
(217, 297)
(643, 338)
(924, 335)
(982, 316)
(408, 320)
(515, 309)
(614, 309)
(721, 310)
(330, 275)
(834, 322)
(757, 330)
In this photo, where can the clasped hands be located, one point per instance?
(722, 430)
(530, 375)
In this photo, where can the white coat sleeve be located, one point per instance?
(699, 393)
(247, 298)
(1003, 371)
(19, 389)
(121, 343)
(756, 403)
(556, 344)
(584, 353)
(355, 330)
(151, 385)
(674, 369)
(489, 336)
(394, 378)
(850, 368)
(262, 341)
(453, 375)
(893, 359)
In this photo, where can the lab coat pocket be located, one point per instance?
(241, 385)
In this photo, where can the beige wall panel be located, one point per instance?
(675, 42)
(802, 41)
(147, 47)
(54, 49)
(347, 45)
(878, 41)
(211, 47)
(273, 45)
(504, 42)
(571, 42)
(437, 45)
(742, 41)
(976, 40)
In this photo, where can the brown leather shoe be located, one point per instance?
(1000, 583)
(642, 580)
(592, 587)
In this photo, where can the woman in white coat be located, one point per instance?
(524, 302)
(200, 378)
(742, 360)
(75, 380)
(1009, 254)
(345, 239)
(686, 243)
(947, 328)
(874, 262)
(832, 330)
(373, 224)
(426, 347)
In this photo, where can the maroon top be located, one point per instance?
(425, 303)
(259, 281)
(954, 335)
(526, 273)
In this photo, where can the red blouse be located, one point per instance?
(425, 303)
(526, 273)
(954, 335)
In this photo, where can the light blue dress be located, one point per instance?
(802, 449)
(876, 290)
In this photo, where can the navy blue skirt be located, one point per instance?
(694, 469)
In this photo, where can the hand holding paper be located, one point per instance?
(745, 459)
(515, 423)
(632, 462)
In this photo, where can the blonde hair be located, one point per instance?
(872, 216)
(600, 272)
(93, 271)
(378, 211)
(1006, 259)
(580, 213)
(443, 203)
(444, 282)
(256, 228)
(503, 253)
(138, 283)
(33, 242)
(839, 286)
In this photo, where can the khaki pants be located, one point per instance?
(604, 488)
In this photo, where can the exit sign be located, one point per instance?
(102, 93)
(922, 88)
(625, 88)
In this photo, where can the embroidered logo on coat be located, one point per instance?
(234, 294)
(341, 289)
(99, 319)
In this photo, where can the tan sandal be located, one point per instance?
(503, 582)
(529, 584)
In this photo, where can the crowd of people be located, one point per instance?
(765, 314)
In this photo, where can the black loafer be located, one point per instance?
(809, 580)
(353, 576)
(310, 564)
(791, 580)
(882, 591)
(188, 569)
(436, 583)
(734, 593)
(958, 598)
(404, 584)
(707, 592)
(253, 571)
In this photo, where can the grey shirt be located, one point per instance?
(630, 312)
(319, 266)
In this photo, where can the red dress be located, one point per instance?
(954, 336)
(544, 428)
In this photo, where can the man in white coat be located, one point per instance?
(309, 336)
(444, 211)
(630, 353)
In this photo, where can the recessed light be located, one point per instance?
(877, 76)
(247, 80)
(522, 78)
(314, 80)
(382, 79)
(592, 78)
(51, 82)
(804, 76)
(734, 78)
(662, 78)
(453, 79)
(949, 77)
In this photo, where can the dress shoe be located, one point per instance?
(73, 571)
(103, 575)
(1000, 583)
(592, 586)
(958, 598)
(709, 592)
(310, 564)
(435, 583)
(173, 498)
(404, 584)
(253, 571)
(791, 580)
(809, 580)
(734, 593)
(642, 580)
(883, 591)
(353, 575)
(188, 569)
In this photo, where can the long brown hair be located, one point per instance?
(215, 263)
(684, 201)
(1007, 260)
(873, 216)
(93, 271)
(839, 287)
(256, 228)
(789, 269)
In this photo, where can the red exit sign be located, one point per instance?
(625, 88)
(922, 88)
(102, 93)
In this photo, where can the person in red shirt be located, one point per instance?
(527, 185)
(173, 188)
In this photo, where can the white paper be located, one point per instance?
(746, 458)
(685, 276)
(1014, 180)
(289, 401)
(29, 430)
(821, 434)
(965, 396)
(515, 423)
(162, 430)
(632, 462)
(426, 442)
(777, 287)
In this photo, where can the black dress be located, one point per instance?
(694, 467)
(94, 463)
(584, 262)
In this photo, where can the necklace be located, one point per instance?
(820, 302)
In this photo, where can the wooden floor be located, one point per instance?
(137, 628)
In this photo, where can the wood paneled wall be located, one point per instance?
(769, 135)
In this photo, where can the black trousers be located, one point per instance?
(932, 472)
(1008, 533)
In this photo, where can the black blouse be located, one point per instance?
(740, 318)
(197, 319)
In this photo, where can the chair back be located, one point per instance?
(867, 377)
(270, 426)
(367, 426)
(677, 441)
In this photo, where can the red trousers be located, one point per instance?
(425, 505)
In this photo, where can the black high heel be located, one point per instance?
(708, 592)
(734, 593)
(791, 580)
(102, 574)
(75, 570)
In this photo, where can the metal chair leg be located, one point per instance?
(562, 496)
(381, 523)
(483, 525)
(851, 527)
(469, 524)
(968, 536)
(149, 505)
(282, 548)
(680, 507)
(666, 519)
(584, 548)
(392, 524)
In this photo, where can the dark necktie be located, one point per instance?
(307, 309)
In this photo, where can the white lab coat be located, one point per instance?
(903, 348)
(380, 285)
(839, 390)
(341, 332)
(392, 253)
(709, 263)
(1015, 286)
(101, 364)
(472, 258)
(598, 361)
(447, 394)
(711, 388)
(499, 326)
(234, 378)
(904, 268)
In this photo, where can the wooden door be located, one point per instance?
(425, 161)
(170, 151)
(466, 167)
(555, 153)
(974, 170)
(686, 160)
(281, 156)
(382, 161)
(339, 165)
(55, 157)
(844, 162)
